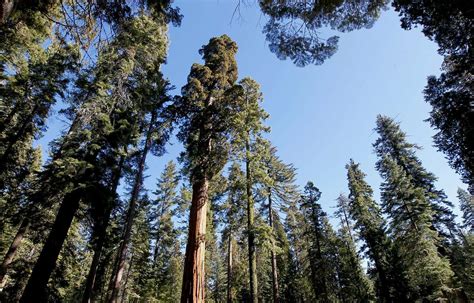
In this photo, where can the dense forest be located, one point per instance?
(226, 221)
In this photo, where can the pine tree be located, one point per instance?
(463, 250)
(293, 27)
(249, 146)
(392, 143)
(153, 89)
(102, 124)
(15, 209)
(354, 285)
(280, 190)
(321, 249)
(165, 234)
(370, 225)
(466, 202)
(297, 282)
(450, 25)
(205, 106)
(138, 280)
(215, 264)
(27, 99)
(233, 208)
(101, 220)
(411, 201)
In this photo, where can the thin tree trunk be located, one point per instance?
(276, 294)
(251, 230)
(10, 255)
(193, 289)
(100, 234)
(122, 253)
(35, 290)
(124, 292)
(229, 268)
(102, 272)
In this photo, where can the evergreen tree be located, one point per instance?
(466, 202)
(26, 100)
(297, 282)
(392, 144)
(205, 106)
(293, 27)
(164, 232)
(450, 25)
(463, 250)
(250, 147)
(234, 215)
(153, 89)
(412, 203)
(280, 190)
(138, 280)
(321, 253)
(370, 226)
(102, 123)
(354, 285)
(16, 209)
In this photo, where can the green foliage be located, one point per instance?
(406, 168)
(203, 109)
(466, 202)
(293, 28)
(409, 197)
(119, 110)
(165, 258)
(370, 225)
(320, 239)
(450, 25)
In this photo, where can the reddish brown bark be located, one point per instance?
(193, 290)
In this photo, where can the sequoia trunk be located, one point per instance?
(193, 290)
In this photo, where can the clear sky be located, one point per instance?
(321, 116)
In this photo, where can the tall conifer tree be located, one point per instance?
(414, 207)
(205, 108)
(370, 225)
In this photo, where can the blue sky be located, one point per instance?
(321, 116)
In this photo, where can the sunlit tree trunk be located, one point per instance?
(193, 290)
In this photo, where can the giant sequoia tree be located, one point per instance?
(205, 106)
